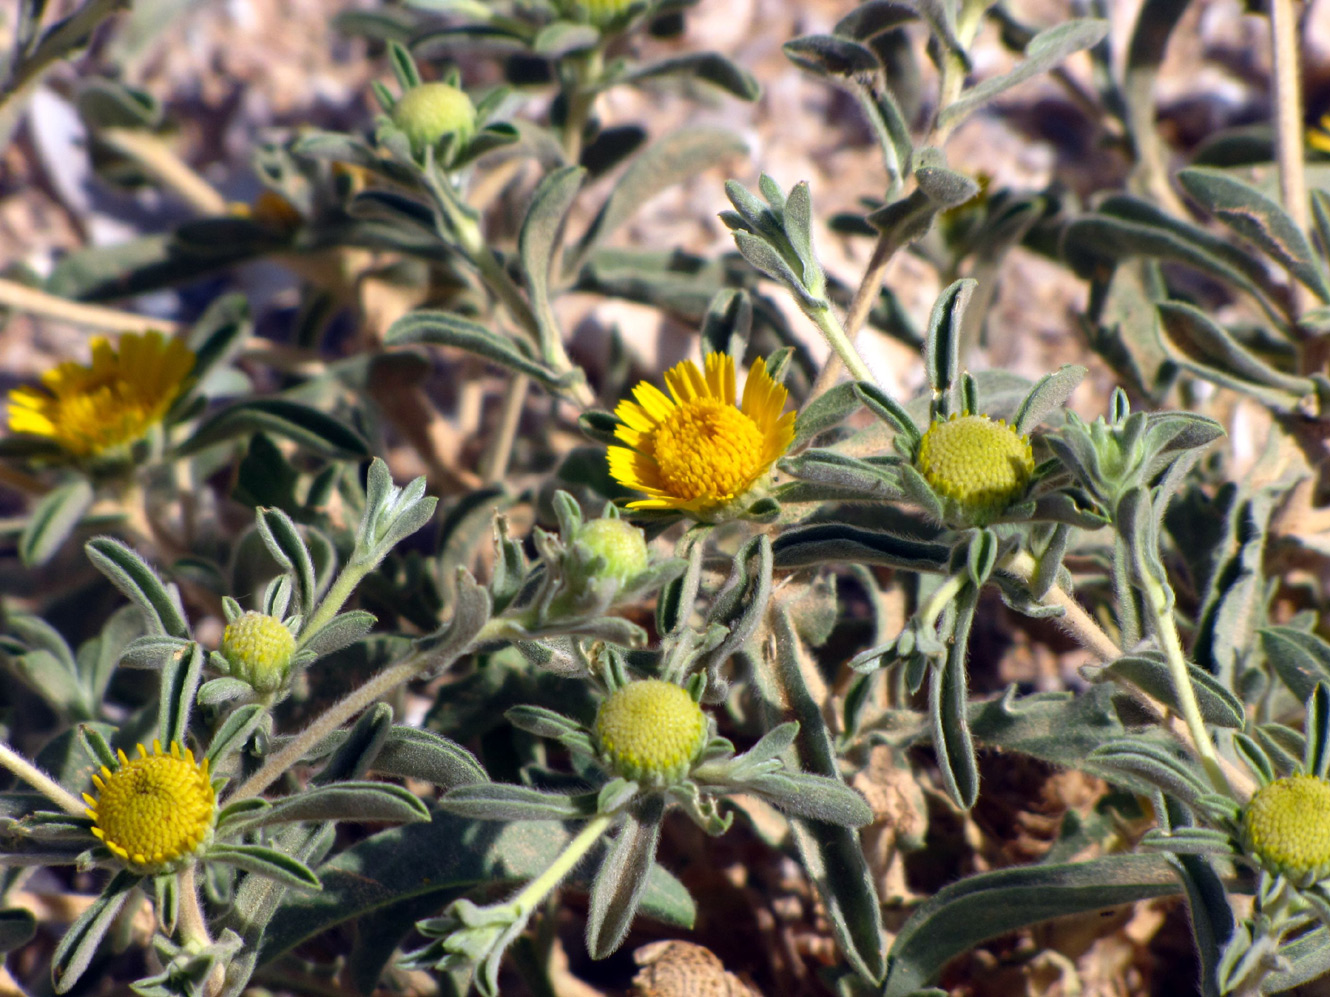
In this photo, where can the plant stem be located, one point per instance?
(535, 891)
(40, 781)
(327, 722)
(495, 464)
(348, 706)
(587, 69)
(1288, 110)
(193, 926)
(31, 301)
(860, 305)
(841, 343)
(155, 156)
(1074, 619)
(347, 580)
(942, 595)
(1157, 605)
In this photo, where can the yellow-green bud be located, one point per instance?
(427, 113)
(651, 731)
(977, 467)
(622, 546)
(600, 12)
(1287, 827)
(259, 649)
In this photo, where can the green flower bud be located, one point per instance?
(1287, 827)
(600, 12)
(651, 731)
(258, 649)
(427, 113)
(622, 546)
(976, 466)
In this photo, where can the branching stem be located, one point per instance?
(535, 891)
(40, 781)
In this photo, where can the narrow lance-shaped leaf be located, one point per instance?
(442, 329)
(622, 878)
(138, 582)
(53, 520)
(538, 245)
(79, 944)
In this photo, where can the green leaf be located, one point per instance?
(234, 731)
(282, 538)
(499, 801)
(539, 241)
(877, 479)
(341, 631)
(316, 431)
(180, 683)
(828, 55)
(413, 753)
(268, 863)
(1301, 660)
(17, 927)
(827, 411)
(942, 350)
(831, 854)
(371, 801)
(1146, 765)
(559, 38)
(139, 583)
(442, 329)
(79, 944)
(712, 67)
(960, 916)
(1050, 393)
(1151, 674)
(947, 709)
(668, 160)
(836, 543)
(1048, 48)
(622, 878)
(442, 859)
(816, 797)
(889, 411)
(53, 520)
(1201, 345)
(1256, 217)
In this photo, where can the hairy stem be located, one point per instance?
(193, 926)
(540, 887)
(1158, 606)
(1075, 620)
(31, 301)
(1288, 110)
(158, 159)
(842, 344)
(495, 464)
(40, 781)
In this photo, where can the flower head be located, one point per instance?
(651, 731)
(977, 466)
(109, 404)
(258, 648)
(1287, 826)
(430, 111)
(620, 545)
(697, 451)
(156, 811)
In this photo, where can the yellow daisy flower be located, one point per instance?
(1318, 136)
(109, 404)
(698, 451)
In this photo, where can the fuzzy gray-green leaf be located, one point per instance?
(500, 801)
(80, 942)
(443, 329)
(1046, 50)
(139, 583)
(622, 878)
(1257, 217)
(268, 863)
(960, 916)
(373, 801)
(52, 521)
(307, 427)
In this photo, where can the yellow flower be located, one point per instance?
(155, 811)
(1287, 826)
(651, 731)
(698, 451)
(1318, 136)
(977, 466)
(111, 403)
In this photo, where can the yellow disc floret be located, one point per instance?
(976, 466)
(1287, 827)
(695, 449)
(428, 112)
(651, 731)
(109, 404)
(156, 811)
(258, 649)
